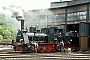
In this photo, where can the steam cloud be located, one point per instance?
(38, 18)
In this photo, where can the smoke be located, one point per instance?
(39, 18)
(14, 22)
(10, 12)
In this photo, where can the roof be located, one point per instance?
(78, 2)
(72, 3)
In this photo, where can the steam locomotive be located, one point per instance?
(46, 40)
(33, 41)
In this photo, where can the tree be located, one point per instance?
(7, 28)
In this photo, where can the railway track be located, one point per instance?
(9, 54)
(44, 56)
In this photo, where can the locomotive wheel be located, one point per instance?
(20, 48)
(23, 49)
(14, 48)
(33, 51)
(48, 49)
(41, 50)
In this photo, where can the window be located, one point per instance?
(76, 16)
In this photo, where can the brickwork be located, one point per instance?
(58, 11)
(77, 8)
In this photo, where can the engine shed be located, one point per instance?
(73, 17)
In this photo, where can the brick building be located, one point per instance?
(67, 15)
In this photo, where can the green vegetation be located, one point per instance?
(7, 28)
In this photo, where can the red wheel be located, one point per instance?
(48, 49)
(33, 51)
(20, 48)
(41, 50)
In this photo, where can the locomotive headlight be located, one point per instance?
(25, 42)
(29, 46)
(70, 39)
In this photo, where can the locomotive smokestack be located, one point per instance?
(22, 24)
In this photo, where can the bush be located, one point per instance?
(1, 37)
